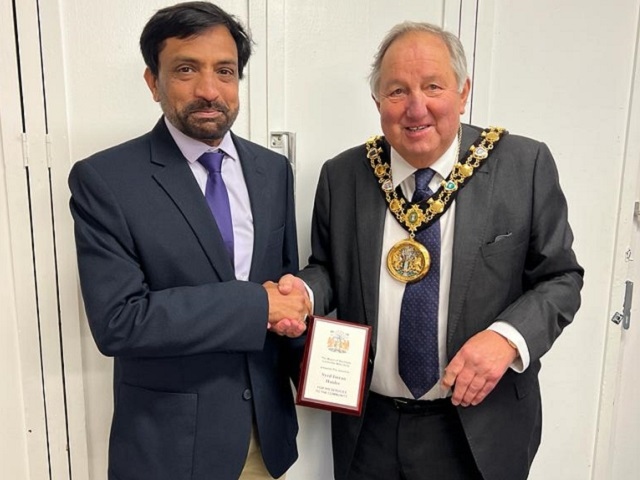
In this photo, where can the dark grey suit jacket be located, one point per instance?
(194, 364)
(529, 278)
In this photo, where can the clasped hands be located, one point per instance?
(289, 305)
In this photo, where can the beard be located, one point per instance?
(208, 130)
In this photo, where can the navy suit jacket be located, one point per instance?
(529, 278)
(194, 364)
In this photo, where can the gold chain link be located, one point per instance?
(415, 216)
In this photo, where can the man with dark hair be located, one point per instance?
(453, 243)
(180, 234)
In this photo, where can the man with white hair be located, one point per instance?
(452, 241)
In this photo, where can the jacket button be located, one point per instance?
(247, 395)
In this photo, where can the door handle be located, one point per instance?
(625, 316)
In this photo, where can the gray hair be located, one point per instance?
(456, 51)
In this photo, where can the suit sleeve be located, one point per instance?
(318, 274)
(290, 245)
(294, 346)
(552, 278)
(126, 317)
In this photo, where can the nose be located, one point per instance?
(207, 87)
(416, 105)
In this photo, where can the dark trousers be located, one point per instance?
(412, 441)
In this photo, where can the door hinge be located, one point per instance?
(25, 151)
(49, 145)
(285, 144)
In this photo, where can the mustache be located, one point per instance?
(203, 105)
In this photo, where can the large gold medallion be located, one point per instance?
(408, 261)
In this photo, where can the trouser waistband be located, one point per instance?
(409, 405)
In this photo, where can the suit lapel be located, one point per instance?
(370, 210)
(255, 178)
(472, 207)
(177, 180)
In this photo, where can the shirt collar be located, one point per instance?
(192, 149)
(401, 169)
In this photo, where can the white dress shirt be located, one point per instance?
(241, 216)
(386, 378)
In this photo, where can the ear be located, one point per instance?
(152, 83)
(376, 102)
(464, 95)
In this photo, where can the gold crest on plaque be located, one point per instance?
(338, 341)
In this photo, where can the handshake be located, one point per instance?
(289, 305)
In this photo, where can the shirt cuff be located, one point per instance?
(508, 331)
(311, 299)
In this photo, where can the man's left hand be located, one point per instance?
(477, 367)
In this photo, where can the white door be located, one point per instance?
(617, 454)
(39, 301)
(625, 450)
(546, 81)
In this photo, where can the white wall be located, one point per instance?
(565, 78)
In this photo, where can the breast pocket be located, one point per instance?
(499, 269)
(152, 435)
(502, 244)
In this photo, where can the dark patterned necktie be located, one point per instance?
(217, 197)
(418, 335)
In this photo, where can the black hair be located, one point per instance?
(185, 20)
